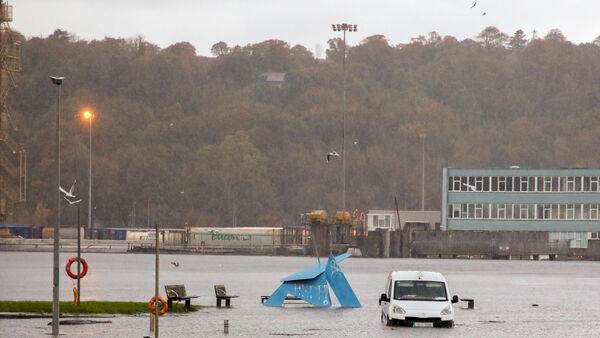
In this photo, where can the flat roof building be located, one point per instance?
(564, 201)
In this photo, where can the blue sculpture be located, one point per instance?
(311, 285)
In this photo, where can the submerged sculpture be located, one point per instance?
(311, 285)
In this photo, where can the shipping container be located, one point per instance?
(235, 237)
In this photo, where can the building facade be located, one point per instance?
(565, 202)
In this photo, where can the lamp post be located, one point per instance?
(57, 81)
(344, 27)
(89, 115)
(422, 136)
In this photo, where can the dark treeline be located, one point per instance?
(207, 141)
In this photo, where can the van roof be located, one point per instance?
(416, 275)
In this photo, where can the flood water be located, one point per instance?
(568, 295)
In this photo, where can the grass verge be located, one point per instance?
(88, 307)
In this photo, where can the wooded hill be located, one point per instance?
(207, 141)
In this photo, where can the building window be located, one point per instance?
(501, 211)
(486, 183)
(501, 183)
(494, 183)
(478, 210)
(509, 183)
(547, 210)
(524, 211)
(455, 210)
(593, 211)
(479, 183)
(464, 210)
(486, 210)
(586, 183)
(570, 213)
(570, 183)
(464, 182)
(456, 183)
(524, 183)
(516, 184)
(586, 211)
(579, 183)
(562, 184)
(555, 185)
(562, 211)
(547, 183)
(594, 183)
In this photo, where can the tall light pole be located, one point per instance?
(344, 27)
(56, 80)
(89, 115)
(422, 136)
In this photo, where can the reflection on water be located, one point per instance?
(504, 291)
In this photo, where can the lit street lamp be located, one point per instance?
(56, 80)
(89, 115)
(344, 27)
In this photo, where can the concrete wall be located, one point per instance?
(487, 243)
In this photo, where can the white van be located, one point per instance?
(417, 296)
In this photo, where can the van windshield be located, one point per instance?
(420, 290)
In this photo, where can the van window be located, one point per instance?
(420, 290)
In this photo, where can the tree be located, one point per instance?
(492, 37)
(220, 48)
(517, 41)
(597, 41)
(181, 48)
(555, 35)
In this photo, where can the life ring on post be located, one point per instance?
(164, 306)
(83, 271)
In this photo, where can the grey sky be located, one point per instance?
(306, 22)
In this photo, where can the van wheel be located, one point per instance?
(385, 320)
(445, 323)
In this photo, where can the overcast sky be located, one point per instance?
(306, 22)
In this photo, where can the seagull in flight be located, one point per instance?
(70, 201)
(484, 13)
(332, 154)
(474, 4)
(70, 192)
(355, 142)
(175, 264)
(470, 187)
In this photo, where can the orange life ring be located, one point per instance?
(164, 306)
(74, 275)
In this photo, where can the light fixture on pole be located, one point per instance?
(422, 136)
(89, 115)
(57, 81)
(344, 27)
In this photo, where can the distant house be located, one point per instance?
(274, 78)
(386, 219)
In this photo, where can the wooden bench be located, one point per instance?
(221, 294)
(264, 298)
(177, 293)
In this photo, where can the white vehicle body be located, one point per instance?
(417, 296)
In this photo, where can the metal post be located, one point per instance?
(344, 126)
(78, 254)
(156, 284)
(55, 263)
(422, 172)
(90, 225)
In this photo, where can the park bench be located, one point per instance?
(177, 293)
(221, 294)
(264, 298)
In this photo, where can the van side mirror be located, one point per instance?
(454, 299)
(383, 298)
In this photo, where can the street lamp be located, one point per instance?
(344, 27)
(57, 81)
(89, 115)
(422, 136)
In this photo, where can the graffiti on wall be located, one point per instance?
(218, 236)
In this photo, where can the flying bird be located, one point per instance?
(71, 202)
(470, 187)
(332, 154)
(484, 13)
(474, 4)
(175, 264)
(70, 192)
(355, 142)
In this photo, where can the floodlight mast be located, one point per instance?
(344, 27)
